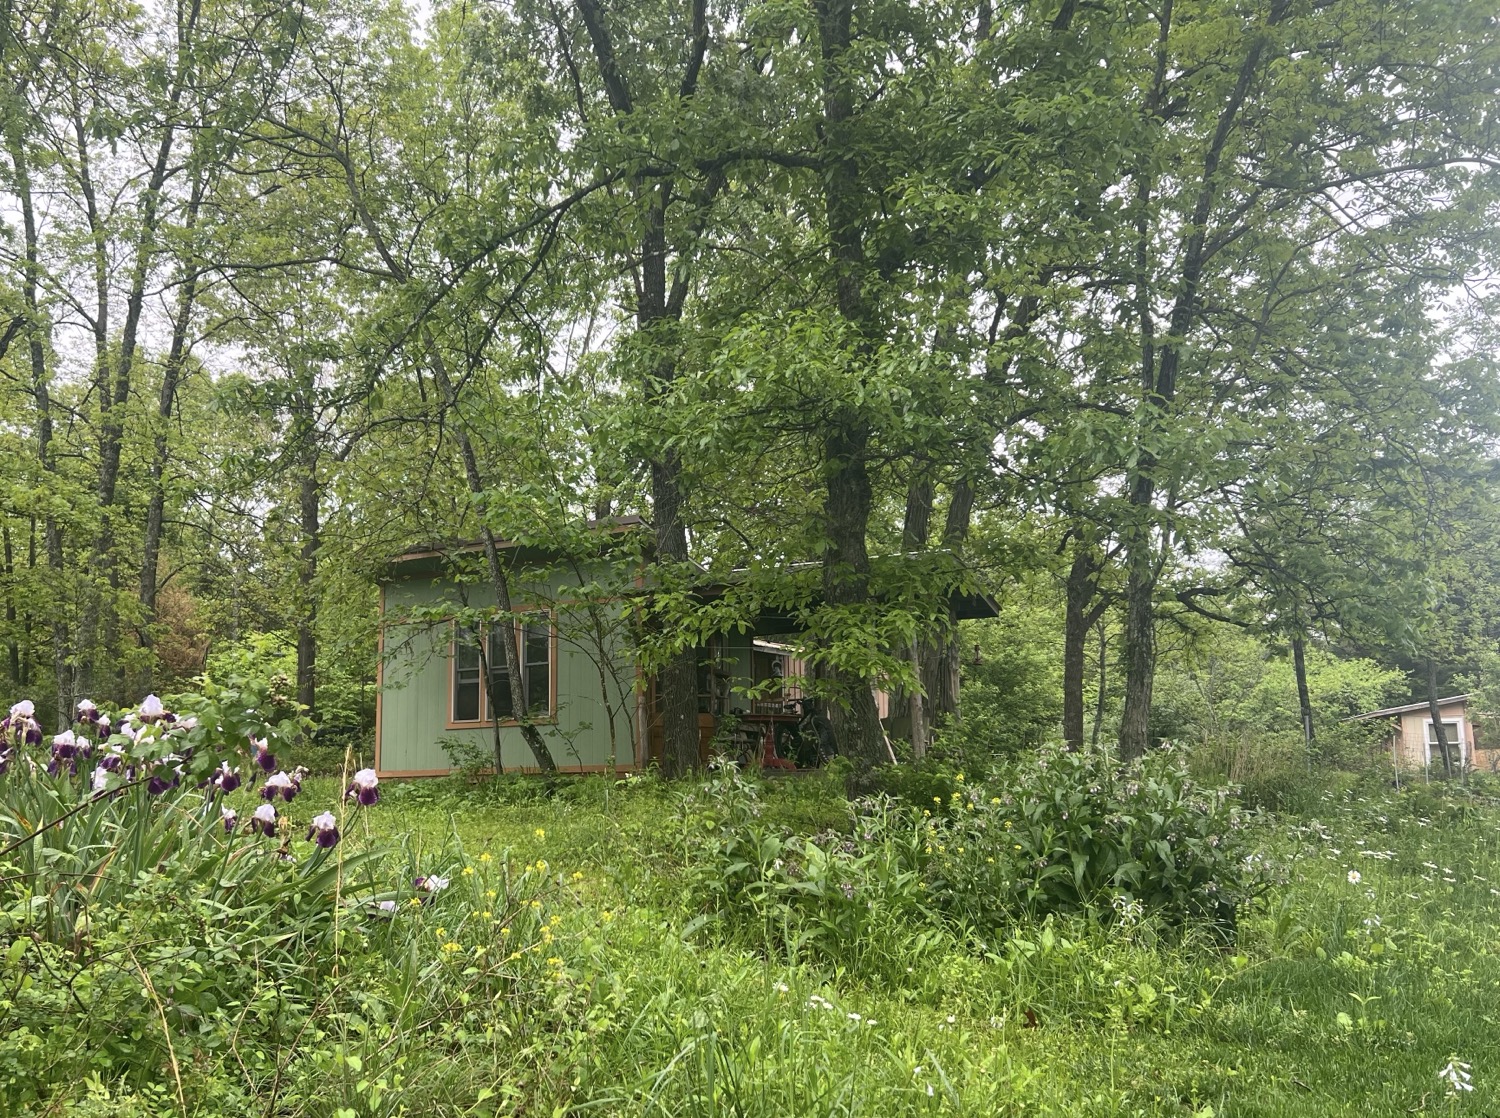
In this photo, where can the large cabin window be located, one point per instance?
(472, 700)
(1452, 734)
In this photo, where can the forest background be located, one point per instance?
(1170, 324)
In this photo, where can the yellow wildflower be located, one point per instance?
(960, 778)
(485, 857)
(541, 834)
(486, 914)
(577, 875)
(468, 871)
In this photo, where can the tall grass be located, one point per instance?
(1347, 991)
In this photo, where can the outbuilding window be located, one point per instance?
(472, 700)
(1452, 735)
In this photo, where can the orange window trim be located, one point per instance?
(484, 698)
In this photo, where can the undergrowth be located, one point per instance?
(633, 948)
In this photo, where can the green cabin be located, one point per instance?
(583, 686)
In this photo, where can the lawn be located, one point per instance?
(1350, 988)
(571, 966)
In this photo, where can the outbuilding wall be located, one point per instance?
(1409, 743)
(415, 686)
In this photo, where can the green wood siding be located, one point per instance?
(416, 683)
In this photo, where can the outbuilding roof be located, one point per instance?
(1409, 706)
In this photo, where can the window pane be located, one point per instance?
(501, 707)
(465, 677)
(537, 657)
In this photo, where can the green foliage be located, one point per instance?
(1233, 701)
(1012, 676)
(1067, 834)
(1071, 832)
(268, 661)
(634, 1007)
(853, 900)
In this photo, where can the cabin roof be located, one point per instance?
(430, 561)
(1388, 711)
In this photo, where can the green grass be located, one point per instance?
(1340, 998)
(599, 985)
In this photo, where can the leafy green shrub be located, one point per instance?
(1072, 832)
(268, 661)
(854, 899)
(921, 784)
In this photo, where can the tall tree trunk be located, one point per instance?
(1140, 643)
(308, 501)
(1159, 370)
(1304, 697)
(13, 644)
(166, 402)
(103, 386)
(658, 305)
(848, 497)
(1081, 611)
(1435, 713)
(1101, 694)
(677, 679)
(915, 527)
(37, 343)
(499, 578)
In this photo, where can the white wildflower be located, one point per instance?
(1457, 1076)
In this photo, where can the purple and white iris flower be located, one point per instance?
(87, 711)
(432, 883)
(263, 821)
(21, 726)
(263, 755)
(164, 781)
(280, 784)
(231, 817)
(151, 709)
(101, 779)
(364, 787)
(225, 779)
(324, 830)
(64, 752)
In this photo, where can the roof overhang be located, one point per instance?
(1389, 712)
